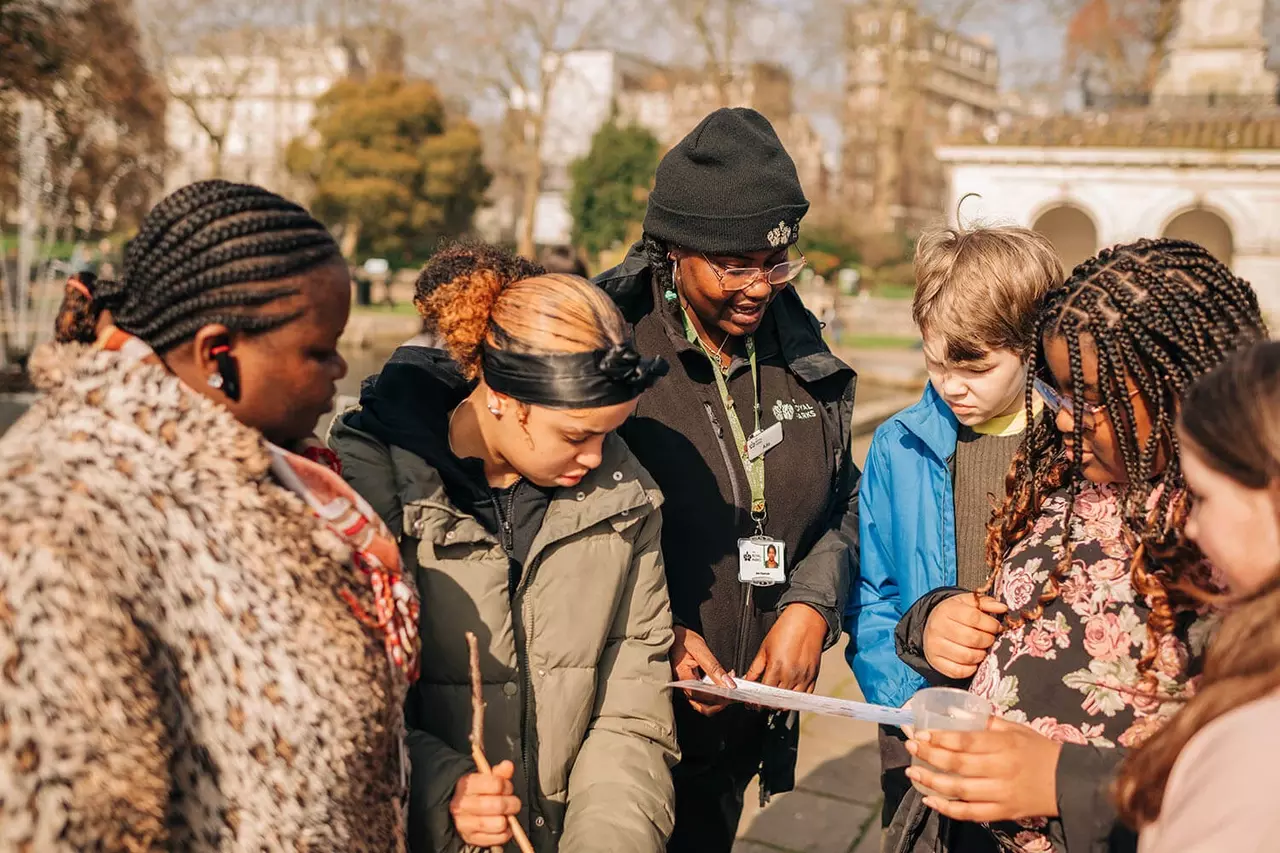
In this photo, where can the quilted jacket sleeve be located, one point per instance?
(620, 788)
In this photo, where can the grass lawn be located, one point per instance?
(895, 291)
(60, 250)
(403, 309)
(877, 342)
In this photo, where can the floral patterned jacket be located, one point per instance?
(1073, 674)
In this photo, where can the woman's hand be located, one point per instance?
(692, 659)
(959, 632)
(792, 650)
(1007, 772)
(480, 806)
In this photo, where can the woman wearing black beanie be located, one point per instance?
(749, 440)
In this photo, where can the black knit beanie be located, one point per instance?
(727, 188)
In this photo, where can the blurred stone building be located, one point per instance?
(909, 84)
(1200, 160)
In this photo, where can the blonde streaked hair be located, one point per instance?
(978, 288)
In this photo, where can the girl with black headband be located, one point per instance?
(205, 638)
(531, 525)
(749, 440)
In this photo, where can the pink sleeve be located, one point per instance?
(1222, 794)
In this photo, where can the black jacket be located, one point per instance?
(408, 405)
(678, 436)
(1086, 821)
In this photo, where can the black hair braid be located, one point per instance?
(658, 254)
(214, 252)
(182, 321)
(1161, 313)
(195, 207)
(271, 258)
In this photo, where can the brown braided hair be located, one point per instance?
(1162, 313)
(77, 320)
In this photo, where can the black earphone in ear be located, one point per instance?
(227, 370)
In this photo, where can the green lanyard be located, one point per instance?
(753, 467)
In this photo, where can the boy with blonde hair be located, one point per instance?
(934, 468)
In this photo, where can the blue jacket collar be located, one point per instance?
(932, 421)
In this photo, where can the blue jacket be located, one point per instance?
(908, 541)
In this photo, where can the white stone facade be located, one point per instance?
(1218, 50)
(261, 98)
(1128, 193)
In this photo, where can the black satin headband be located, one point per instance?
(579, 380)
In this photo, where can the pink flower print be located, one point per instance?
(1077, 592)
(1144, 698)
(1104, 638)
(1093, 733)
(1040, 644)
(1044, 524)
(1104, 530)
(1060, 732)
(1095, 503)
(984, 680)
(1032, 842)
(1171, 659)
(1141, 731)
(1018, 587)
(1108, 571)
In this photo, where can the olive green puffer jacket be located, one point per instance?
(574, 663)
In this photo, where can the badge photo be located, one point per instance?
(762, 561)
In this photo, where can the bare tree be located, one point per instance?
(514, 52)
(1116, 48)
(213, 55)
(716, 28)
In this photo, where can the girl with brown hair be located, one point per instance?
(1208, 780)
(1103, 637)
(528, 523)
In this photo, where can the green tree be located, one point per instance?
(393, 171)
(611, 185)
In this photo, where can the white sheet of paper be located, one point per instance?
(793, 700)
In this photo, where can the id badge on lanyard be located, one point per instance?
(762, 560)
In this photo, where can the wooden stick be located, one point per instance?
(477, 740)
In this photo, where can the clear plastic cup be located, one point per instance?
(946, 709)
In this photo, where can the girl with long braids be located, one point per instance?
(1207, 781)
(1106, 623)
(205, 639)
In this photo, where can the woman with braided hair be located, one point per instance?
(530, 525)
(1106, 622)
(206, 639)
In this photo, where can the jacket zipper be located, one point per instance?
(526, 727)
(507, 542)
(505, 516)
(729, 463)
(747, 596)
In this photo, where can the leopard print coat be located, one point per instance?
(177, 669)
